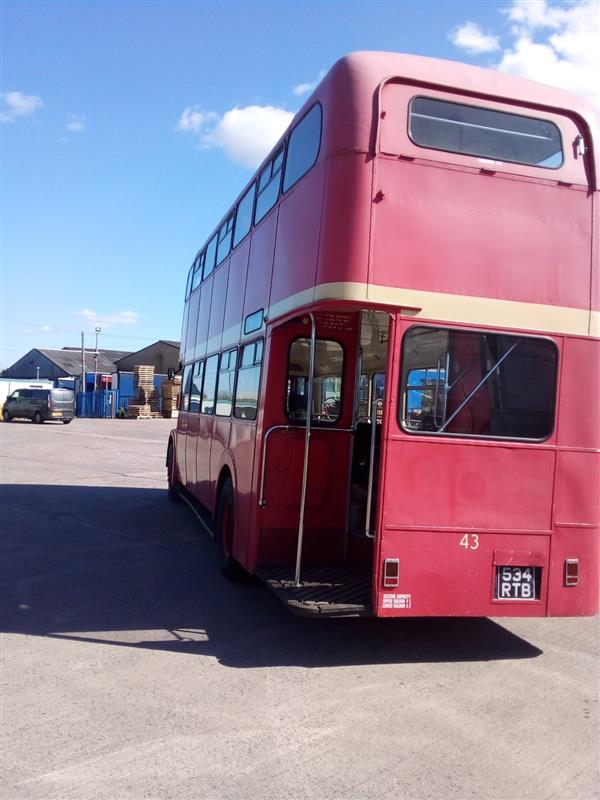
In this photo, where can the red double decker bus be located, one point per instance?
(390, 351)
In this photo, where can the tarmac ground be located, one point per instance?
(132, 669)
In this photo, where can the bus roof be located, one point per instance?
(366, 70)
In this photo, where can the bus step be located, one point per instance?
(331, 591)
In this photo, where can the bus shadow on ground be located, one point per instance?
(124, 567)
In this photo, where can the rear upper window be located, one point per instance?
(475, 131)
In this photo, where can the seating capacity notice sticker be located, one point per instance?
(396, 601)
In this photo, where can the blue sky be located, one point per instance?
(129, 127)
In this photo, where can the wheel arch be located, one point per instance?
(171, 447)
(225, 474)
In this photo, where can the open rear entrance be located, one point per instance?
(319, 473)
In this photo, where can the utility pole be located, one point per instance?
(98, 330)
(82, 383)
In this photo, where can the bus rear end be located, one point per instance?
(489, 502)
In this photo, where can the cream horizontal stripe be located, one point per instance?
(455, 308)
(439, 306)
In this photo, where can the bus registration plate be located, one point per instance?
(516, 583)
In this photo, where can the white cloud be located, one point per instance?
(108, 320)
(551, 42)
(193, 120)
(244, 134)
(18, 104)
(472, 38)
(76, 123)
(567, 50)
(46, 328)
(305, 88)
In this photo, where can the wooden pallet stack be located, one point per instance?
(170, 397)
(146, 396)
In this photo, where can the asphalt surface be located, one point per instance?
(132, 669)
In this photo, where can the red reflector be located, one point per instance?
(391, 572)
(571, 571)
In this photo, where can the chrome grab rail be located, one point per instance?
(307, 431)
(371, 466)
(262, 501)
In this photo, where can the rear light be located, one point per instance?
(391, 572)
(571, 571)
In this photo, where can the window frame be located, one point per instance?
(239, 369)
(302, 422)
(214, 238)
(227, 227)
(252, 188)
(269, 166)
(487, 157)
(479, 436)
(214, 394)
(188, 285)
(220, 372)
(196, 364)
(198, 268)
(284, 188)
(185, 393)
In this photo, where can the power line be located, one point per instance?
(75, 327)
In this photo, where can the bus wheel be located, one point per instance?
(173, 485)
(231, 568)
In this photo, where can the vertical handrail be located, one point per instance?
(309, 399)
(371, 468)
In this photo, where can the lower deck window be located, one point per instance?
(248, 381)
(225, 382)
(477, 384)
(327, 389)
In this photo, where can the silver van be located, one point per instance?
(40, 405)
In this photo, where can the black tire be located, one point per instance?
(6, 416)
(173, 484)
(37, 418)
(66, 421)
(230, 568)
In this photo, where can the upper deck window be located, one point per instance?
(188, 285)
(269, 182)
(243, 215)
(225, 235)
(497, 135)
(303, 147)
(197, 274)
(209, 257)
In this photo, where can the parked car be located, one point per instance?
(40, 405)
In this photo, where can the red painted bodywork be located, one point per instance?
(376, 210)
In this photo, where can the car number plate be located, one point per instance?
(517, 583)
